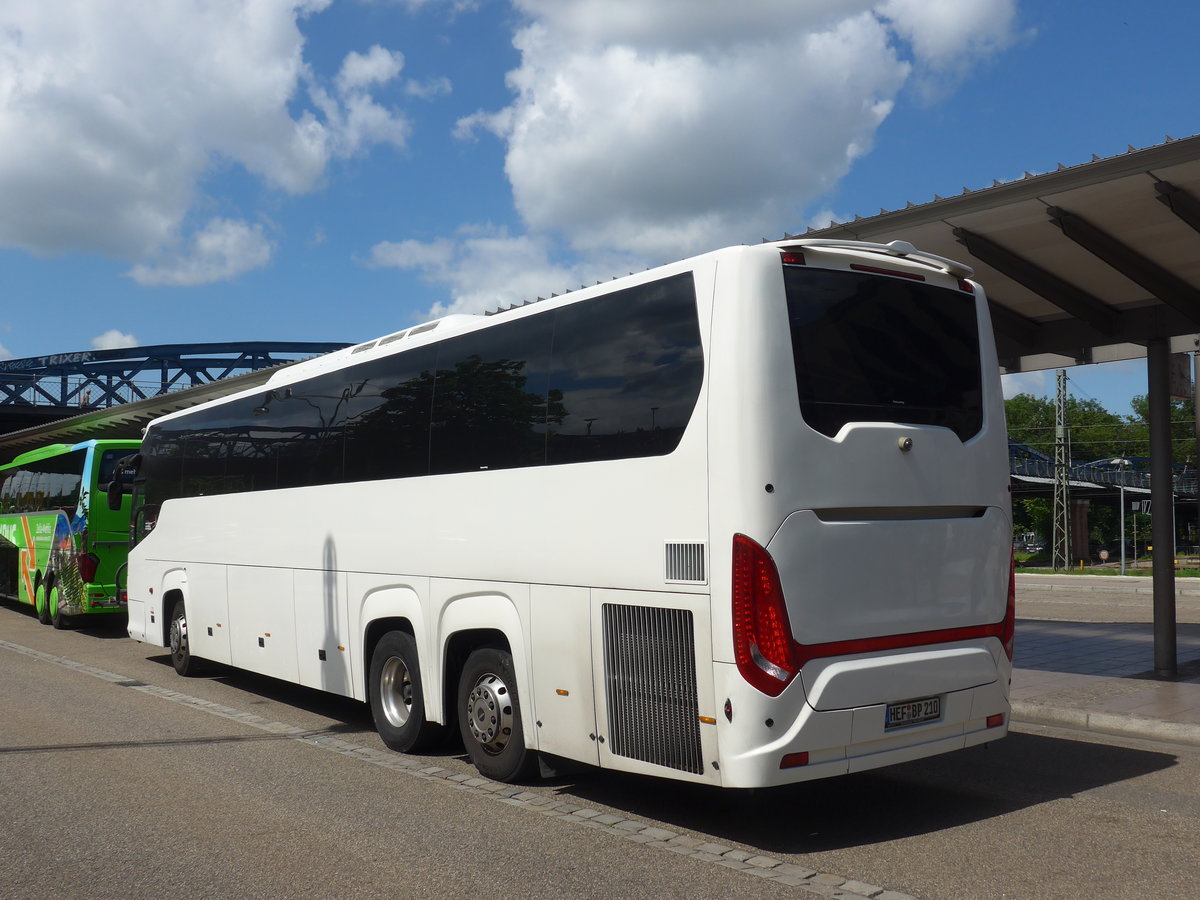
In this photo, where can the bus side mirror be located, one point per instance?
(115, 493)
(122, 481)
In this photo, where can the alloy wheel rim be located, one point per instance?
(396, 691)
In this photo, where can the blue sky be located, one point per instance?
(222, 170)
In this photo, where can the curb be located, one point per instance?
(1123, 584)
(1106, 723)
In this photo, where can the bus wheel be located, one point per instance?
(489, 717)
(397, 700)
(40, 604)
(181, 656)
(57, 619)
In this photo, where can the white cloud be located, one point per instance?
(672, 127)
(5, 353)
(112, 116)
(948, 34)
(486, 268)
(361, 70)
(412, 254)
(223, 249)
(114, 339)
(429, 88)
(682, 24)
(456, 6)
(1035, 383)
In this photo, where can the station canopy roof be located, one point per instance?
(1084, 264)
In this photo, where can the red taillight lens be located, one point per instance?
(87, 564)
(792, 258)
(762, 635)
(1009, 629)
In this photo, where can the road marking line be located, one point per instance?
(697, 847)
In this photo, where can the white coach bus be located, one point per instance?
(743, 520)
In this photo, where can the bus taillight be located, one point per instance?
(762, 634)
(87, 563)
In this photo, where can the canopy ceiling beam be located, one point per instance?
(1014, 327)
(1163, 284)
(1074, 338)
(1180, 202)
(1066, 296)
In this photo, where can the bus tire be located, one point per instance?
(181, 654)
(40, 604)
(489, 717)
(57, 619)
(397, 696)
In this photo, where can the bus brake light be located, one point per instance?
(762, 634)
(87, 564)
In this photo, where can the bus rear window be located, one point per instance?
(869, 348)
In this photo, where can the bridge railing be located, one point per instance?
(1184, 479)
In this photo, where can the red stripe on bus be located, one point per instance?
(809, 652)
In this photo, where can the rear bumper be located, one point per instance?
(763, 730)
(95, 598)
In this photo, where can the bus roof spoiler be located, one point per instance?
(901, 249)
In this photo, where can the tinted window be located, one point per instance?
(489, 399)
(43, 484)
(626, 373)
(387, 431)
(108, 464)
(608, 378)
(870, 348)
(305, 424)
(162, 465)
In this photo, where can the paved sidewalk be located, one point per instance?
(1085, 662)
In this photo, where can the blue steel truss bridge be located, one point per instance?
(41, 389)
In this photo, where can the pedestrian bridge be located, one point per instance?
(1033, 472)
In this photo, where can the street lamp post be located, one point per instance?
(1123, 463)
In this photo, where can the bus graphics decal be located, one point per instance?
(28, 559)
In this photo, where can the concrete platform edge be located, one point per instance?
(1105, 723)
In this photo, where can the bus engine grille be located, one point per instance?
(650, 676)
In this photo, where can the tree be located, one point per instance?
(1093, 431)
(1183, 438)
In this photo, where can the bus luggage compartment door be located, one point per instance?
(563, 692)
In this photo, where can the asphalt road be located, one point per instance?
(120, 779)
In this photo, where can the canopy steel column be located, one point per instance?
(1162, 499)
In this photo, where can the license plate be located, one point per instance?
(912, 712)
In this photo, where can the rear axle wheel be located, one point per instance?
(489, 717)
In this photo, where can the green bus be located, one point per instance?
(61, 547)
